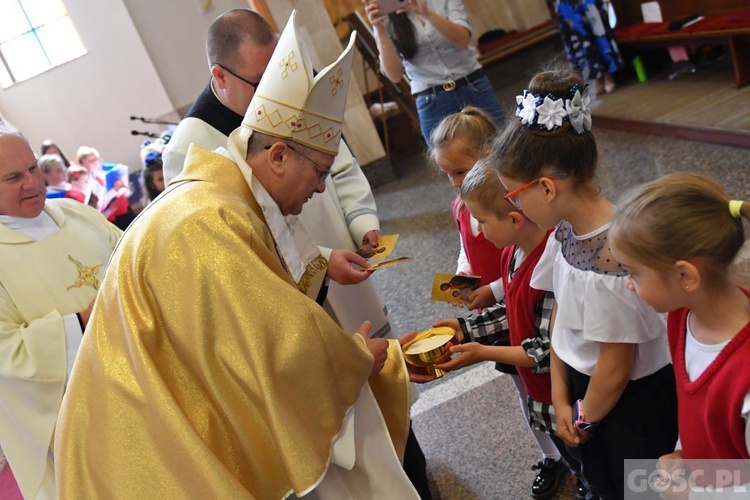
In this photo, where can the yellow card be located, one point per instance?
(453, 287)
(388, 263)
(380, 252)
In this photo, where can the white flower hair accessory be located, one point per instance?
(549, 113)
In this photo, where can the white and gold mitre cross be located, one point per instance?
(290, 103)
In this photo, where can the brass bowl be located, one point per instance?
(429, 348)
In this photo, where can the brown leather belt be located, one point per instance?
(453, 84)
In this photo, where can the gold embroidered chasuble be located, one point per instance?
(204, 372)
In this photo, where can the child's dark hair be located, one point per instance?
(475, 127)
(525, 153)
(47, 144)
(680, 217)
(155, 165)
(482, 184)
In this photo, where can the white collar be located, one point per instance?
(36, 228)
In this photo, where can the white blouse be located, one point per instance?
(594, 307)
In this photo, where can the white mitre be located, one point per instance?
(290, 103)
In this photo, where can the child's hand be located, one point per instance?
(481, 298)
(565, 429)
(670, 461)
(583, 436)
(416, 374)
(468, 354)
(453, 323)
(668, 465)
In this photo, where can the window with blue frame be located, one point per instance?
(35, 36)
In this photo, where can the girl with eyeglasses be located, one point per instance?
(613, 386)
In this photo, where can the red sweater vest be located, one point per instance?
(709, 408)
(483, 255)
(521, 301)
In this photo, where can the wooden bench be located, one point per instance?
(515, 42)
(725, 22)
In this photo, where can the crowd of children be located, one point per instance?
(108, 187)
(600, 382)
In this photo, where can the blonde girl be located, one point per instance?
(676, 237)
(612, 381)
(456, 144)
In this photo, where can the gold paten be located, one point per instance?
(429, 348)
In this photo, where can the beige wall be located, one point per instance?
(174, 34)
(89, 100)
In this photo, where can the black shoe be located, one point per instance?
(548, 480)
(580, 490)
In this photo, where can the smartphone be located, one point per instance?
(388, 6)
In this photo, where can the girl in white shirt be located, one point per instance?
(612, 381)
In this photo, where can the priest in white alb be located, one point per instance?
(53, 254)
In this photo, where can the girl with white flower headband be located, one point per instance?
(613, 386)
(677, 237)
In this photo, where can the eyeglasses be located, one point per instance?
(512, 197)
(323, 172)
(252, 84)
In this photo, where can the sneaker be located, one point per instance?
(548, 480)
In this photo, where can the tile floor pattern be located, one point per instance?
(469, 423)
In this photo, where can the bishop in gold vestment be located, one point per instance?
(205, 372)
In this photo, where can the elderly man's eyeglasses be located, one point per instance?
(252, 84)
(323, 172)
(512, 196)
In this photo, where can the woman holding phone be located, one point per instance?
(428, 40)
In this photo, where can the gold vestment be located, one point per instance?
(204, 372)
